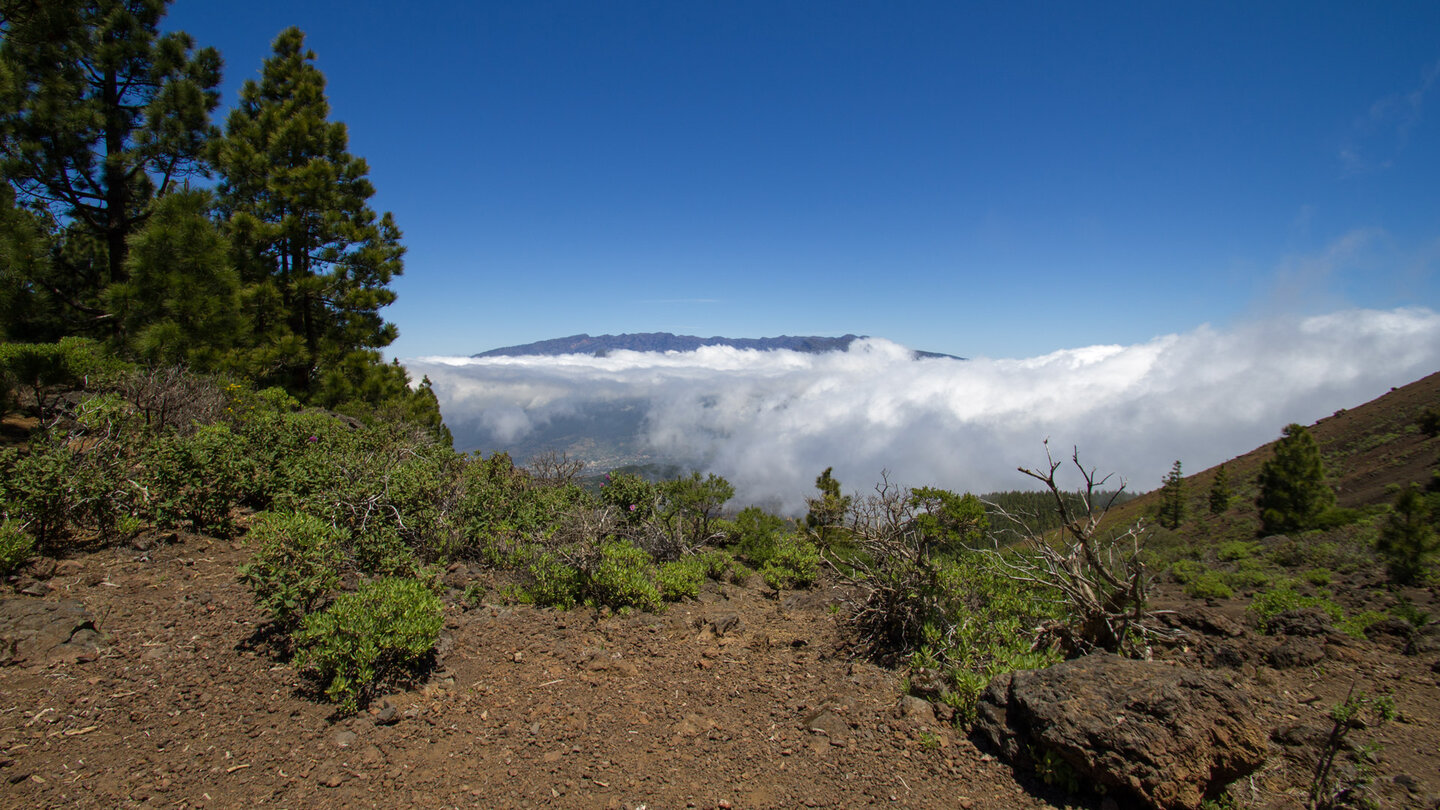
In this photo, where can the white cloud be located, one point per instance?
(771, 421)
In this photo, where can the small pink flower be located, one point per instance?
(632, 507)
(314, 439)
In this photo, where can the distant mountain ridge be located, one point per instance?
(602, 345)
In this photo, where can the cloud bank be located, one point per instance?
(771, 421)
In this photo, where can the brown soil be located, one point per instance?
(187, 707)
(526, 707)
(738, 699)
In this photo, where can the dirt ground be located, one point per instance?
(737, 699)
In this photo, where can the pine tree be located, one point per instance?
(314, 258)
(1220, 491)
(1408, 541)
(99, 115)
(1172, 498)
(827, 512)
(179, 304)
(1293, 493)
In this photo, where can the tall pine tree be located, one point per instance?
(314, 258)
(1293, 492)
(99, 115)
(1220, 491)
(1172, 498)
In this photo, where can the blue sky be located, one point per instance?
(997, 180)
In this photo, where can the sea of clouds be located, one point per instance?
(771, 421)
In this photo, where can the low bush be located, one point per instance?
(386, 628)
(1208, 585)
(988, 630)
(1269, 604)
(296, 566)
(624, 578)
(795, 564)
(553, 583)
(16, 547)
(1232, 550)
(197, 478)
(680, 579)
(721, 566)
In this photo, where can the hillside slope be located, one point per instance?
(1366, 449)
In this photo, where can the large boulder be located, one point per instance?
(1168, 736)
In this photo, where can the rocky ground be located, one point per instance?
(142, 677)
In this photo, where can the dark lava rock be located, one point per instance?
(1296, 653)
(42, 632)
(1165, 735)
(1307, 622)
(1206, 620)
(1228, 656)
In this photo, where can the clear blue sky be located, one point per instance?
(1000, 179)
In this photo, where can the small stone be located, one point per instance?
(913, 708)
(388, 715)
(344, 738)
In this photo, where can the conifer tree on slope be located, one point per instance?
(313, 257)
(99, 115)
(1293, 493)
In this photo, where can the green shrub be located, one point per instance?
(296, 566)
(680, 579)
(795, 564)
(1251, 573)
(1272, 603)
(991, 630)
(34, 487)
(16, 547)
(1232, 550)
(1318, 577)
(197, 478)
(633, 497)
(1208, 585)
(1429, 421)
(1186, 571)
(624, 578)
(1357, 624)
(389, 626)
(380, 551)
(720, 565)
(45, 370)
(553, 583)
(757, 534)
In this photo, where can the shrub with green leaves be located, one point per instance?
(296, 566)
(16, 547)
(988, 630)
(624, 578)
(632, 496)
(680, 579)
(386, 628)
(553, 583)
(795, 564)
(756, 534)
(45, 370)
(1232, 550)
(197, 478)
(721, 566)
(1269, 604)
(1208, 585)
